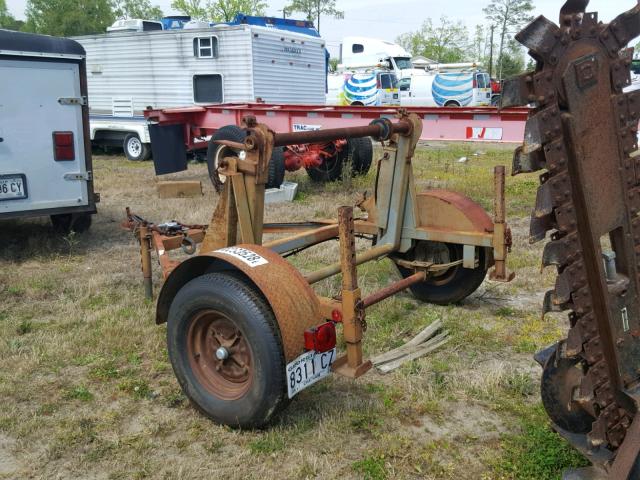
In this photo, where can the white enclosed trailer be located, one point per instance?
(129, 72)
(45, 158)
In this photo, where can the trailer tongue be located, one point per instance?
(584, 133)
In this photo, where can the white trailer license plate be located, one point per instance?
(12, 187)
(307, 369)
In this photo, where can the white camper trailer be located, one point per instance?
(130, 71)
(45, 158)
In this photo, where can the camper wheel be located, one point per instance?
(452, 104)
(135, 149)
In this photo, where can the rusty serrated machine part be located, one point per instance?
(583, 133)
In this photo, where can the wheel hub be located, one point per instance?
(135, 147)
(219, 355)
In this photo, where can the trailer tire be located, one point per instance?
(452, 286)
(66, 222)
(244, 385)
(232, 133)
(361, 154)
(330, 170)
(452, 104)
(134, 149)
(276, 168)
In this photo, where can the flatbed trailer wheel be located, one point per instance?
(361, 151)
(450, 286)
(225, 349)
(233, 133)
(330, 170)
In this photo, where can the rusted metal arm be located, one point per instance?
(334, 269)
(380, 129)
(394, 288)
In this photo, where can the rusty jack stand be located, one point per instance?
(350, 365)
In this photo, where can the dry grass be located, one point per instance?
(88, 392)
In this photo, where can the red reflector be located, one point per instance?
(321, 338)
(336, 315)
(63, 146)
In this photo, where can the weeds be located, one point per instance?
(536, 453)
(371, 468)
(79, 392)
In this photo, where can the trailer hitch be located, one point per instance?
(583, 133)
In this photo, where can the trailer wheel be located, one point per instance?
(66, 222)
(135, 149)
(361, 153)
(450, 286)
(226, 351)
(216, 152)
(330, 170)
(276, 168)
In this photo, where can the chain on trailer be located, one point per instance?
(584, 134)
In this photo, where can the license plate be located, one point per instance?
(13, 187)
(307, 369)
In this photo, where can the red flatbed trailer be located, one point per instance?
(440, 123)
(176, 131)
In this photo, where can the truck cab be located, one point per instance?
(365, 88)
(446, 89)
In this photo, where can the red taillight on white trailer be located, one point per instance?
(63, 149)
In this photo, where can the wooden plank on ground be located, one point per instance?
(402, 350)
(179, 189)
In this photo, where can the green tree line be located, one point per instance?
(82, 17)
(492, 45)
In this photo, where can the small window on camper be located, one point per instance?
(205, 47)
(357, 48)
(207, 88)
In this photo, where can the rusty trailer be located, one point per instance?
(246, 331)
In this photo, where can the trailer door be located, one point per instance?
(42, 155)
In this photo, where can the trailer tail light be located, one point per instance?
(475, 82)
(63, 149)
(321, 338)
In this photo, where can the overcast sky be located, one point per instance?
(387, 19)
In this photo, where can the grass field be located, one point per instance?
(87, 390)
